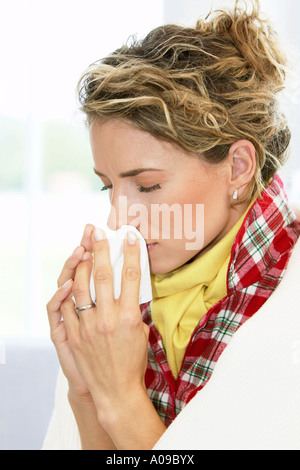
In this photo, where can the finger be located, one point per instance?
(69, 268)
(103, 274)
(86, 240)
(81, 286)
(70, 265)
(131, 273)
(54, 305)
(70, 318)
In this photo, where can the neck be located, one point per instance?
(234, 216)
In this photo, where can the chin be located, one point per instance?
(159, 267)
(163, 261)
(162, 268)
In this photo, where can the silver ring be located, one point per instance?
(85, 307)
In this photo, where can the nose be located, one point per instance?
(116, 219)
(118, 215)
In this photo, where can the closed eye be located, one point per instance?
(141, 189)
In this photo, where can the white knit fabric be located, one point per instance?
(252, 400)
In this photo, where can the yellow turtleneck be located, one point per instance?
(183, 296)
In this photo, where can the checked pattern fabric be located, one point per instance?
(258, 262)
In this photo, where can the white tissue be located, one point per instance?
(115, 239)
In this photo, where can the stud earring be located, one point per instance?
(235, 195)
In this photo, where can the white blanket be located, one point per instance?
(252, 400)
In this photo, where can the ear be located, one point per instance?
(242, 158)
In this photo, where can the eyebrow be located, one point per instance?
(126, 174)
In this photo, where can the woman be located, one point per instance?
(187, 116)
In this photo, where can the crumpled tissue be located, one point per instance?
(115, 239)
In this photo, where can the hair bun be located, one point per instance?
(254, 38)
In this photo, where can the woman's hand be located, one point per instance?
(57, 327)
(109, 342)
(104, 351)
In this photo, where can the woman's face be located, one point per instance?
(180, 204)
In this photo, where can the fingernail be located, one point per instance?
(77, 251)
(131, 238)
(99, 234)
(86, 256)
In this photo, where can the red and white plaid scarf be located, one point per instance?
(259, 258)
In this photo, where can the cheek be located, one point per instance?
(174, 219)
(183, 212)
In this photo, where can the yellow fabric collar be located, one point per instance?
(183, 296)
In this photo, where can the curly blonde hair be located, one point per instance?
(201, 88)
